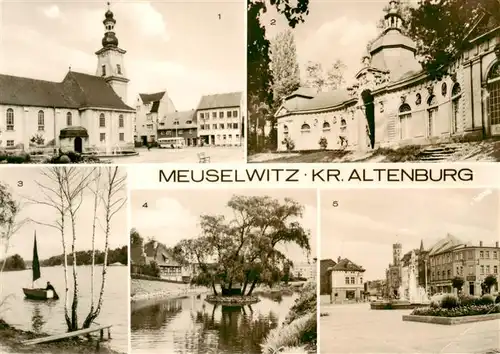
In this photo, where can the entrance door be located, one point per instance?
(78, 145)
(144, 140)
(471, 288)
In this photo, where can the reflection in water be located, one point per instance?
(37, 316)
(193, 326)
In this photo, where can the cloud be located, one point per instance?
(52, 12)
(167, 216)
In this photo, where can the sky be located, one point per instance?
(185, 48)
(174, 215)
(334, 29)
(48, 238)
(366, 223)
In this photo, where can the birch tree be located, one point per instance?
(113, 198)
(62, 189)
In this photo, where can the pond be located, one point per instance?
(48, 316)
(191, 325)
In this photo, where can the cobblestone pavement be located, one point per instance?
(357, 329)
(186, 155)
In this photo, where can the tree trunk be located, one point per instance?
(65, 260)
(74, 305)
(214, 289)
(93, 315)
(252, 287)
(93, 248)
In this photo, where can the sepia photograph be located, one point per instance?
(373, 81)
(122, 82)
(228, 271)
(410, 271)
(63, 261)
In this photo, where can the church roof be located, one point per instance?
(76, 91)
(445, 244)
(220, 100)
(182, 117)
(392, 38)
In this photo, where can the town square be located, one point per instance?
(403, 272)
(105, 95)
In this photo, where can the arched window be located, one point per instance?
(102, 121)
(343, 125)
(41, 121)
(69, 119)
(404, 121)
(418, 100)
(431, 114)
(10, 119)
(121, 122)
(326, 126)
(494, 94)
(444, 89)
(456, 95)
(305, 128)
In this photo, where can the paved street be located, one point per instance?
(357, 329)
(187, 155)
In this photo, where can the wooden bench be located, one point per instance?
(73, 334)
(203, 158)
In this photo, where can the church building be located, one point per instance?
(83, 113)
(393, 102)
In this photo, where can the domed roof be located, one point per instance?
(109, 14)
(392, 38)
(109, 39)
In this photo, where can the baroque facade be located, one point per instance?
(83, 113)
(347, 281)
(393, 102)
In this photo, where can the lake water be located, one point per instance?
(192, 325)
(48, 316)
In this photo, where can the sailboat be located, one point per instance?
(37, 293)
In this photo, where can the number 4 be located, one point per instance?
(145, 205)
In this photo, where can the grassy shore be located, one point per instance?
(11, 341)
(150, 289)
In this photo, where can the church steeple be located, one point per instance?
(393, 20)
(109, 22)
(110, 64)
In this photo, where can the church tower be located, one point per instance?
(110, 58)
(396, 253)
(393, 51)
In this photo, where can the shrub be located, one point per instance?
(461, 311)
(64, 159)
(323, 143)
(434, 304)
(497, 300)
(467, 300)
(288, 142)
(486, 299)
(449, 301)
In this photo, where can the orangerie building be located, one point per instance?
(393, 101)
(83, 113)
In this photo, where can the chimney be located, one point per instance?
(496, 244)
(339, 259)
(480, 243)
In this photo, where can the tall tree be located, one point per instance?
(284, 66)
(440, 28)
(331, 79)
(259, 75)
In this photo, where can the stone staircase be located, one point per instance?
(438, 153)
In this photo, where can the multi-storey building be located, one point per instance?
(83, 113)
(347, 281)
(180, 125)
(304, 270)
(151, 110)
(220, 119)
(393, 102)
